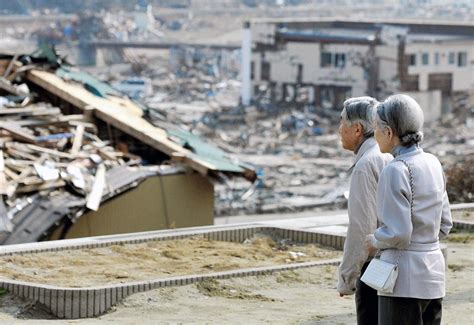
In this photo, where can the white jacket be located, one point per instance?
(416, 239)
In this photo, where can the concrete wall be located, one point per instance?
(388, 69)
(187, 201)
(263, 33)
(430, 102)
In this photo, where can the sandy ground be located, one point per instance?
(305, 296)
(155, 259)
(464, 216)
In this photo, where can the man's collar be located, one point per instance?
(364, 146)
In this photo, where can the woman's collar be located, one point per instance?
(401, 150)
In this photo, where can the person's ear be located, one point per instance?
(389, 132)
(359, 129)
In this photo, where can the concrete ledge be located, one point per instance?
(461, 224)
(71, 303)
(459, 209)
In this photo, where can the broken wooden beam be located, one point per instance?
(41, 187)
(30, 111)
(3, 179)
(95, 195)
(77, 142)
(17, 132)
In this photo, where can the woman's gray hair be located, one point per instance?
(404, 116)
(360, 110)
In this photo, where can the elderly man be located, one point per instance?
(357, 135)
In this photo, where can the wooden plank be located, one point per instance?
(17, 152)
(5, 85)
(11, 174)
(77, 142)
(4, 140)
(30, 111)
(41, 187)
(32, 180)
(18, 132)
(61, 120)
(95, 195)
(50, 151)
(25, 173)
(3, 179)
(87, 126)
(10, 65)
(107, 154)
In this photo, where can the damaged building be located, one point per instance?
(330, 60)
(77, 158)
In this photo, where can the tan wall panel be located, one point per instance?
(189, 202)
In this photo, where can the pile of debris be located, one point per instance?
(43, 149)
(55, 165)
(46, 154)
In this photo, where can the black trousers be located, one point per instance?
(366, 302)
(409, 311)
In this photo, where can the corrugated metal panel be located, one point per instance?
(205, 151)
(92, 84)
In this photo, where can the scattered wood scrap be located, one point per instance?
(43, 151)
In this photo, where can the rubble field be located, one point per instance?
(151, 260)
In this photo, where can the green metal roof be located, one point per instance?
(95, 86)
(205, 151)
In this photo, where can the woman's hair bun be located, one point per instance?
(411, 138)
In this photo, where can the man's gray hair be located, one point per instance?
(360, 110)
(404, 116)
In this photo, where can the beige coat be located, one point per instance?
(362, 207)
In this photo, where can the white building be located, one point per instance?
(334, 59)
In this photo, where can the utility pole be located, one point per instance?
(246, 89)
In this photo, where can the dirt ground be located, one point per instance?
(305, 296)
(156, 259)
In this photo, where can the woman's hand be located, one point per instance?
(369, 241)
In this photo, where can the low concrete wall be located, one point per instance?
(71, 303)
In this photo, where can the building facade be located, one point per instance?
(331, 60)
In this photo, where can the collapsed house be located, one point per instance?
(80, 159)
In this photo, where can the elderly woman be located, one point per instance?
(413, 209)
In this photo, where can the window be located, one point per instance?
(329, 59)
(252, 70)
(436, 58)
(340, 60)
(425, 58)
(265, 71)
(452, 58)
(326, 59)
(462, 59)
(412, 59)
